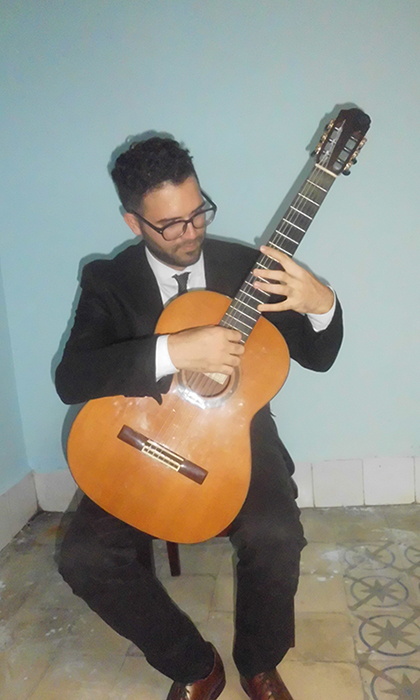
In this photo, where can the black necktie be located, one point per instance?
(182, 280)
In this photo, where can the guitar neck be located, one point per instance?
(242, 313)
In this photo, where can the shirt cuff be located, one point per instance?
(320, 322)
(164, 364)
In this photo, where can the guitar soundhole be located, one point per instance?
(206, 390)
(204, 385)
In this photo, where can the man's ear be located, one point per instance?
(133, 223)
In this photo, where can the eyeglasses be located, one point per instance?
(176, 229)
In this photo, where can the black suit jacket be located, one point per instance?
(111, 349)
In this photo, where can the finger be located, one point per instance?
(236, 349)
(232, 335)
(273, 288)
(285, 260)
(279, 306)
(278, 275)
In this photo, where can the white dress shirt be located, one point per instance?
(168, 287)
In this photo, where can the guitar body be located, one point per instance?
(204, 422)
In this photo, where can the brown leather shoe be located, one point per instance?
(266, 686)
(207, 689)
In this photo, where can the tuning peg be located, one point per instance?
(346, 172)
(354, 161)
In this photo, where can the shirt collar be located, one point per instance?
(168, 286)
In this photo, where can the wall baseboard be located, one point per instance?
(56, 490)
(333, 483)
(372, 481)
(17, 506)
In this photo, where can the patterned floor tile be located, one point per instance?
(358, 614)
(389, 635)
(391, 681)
(380, 590)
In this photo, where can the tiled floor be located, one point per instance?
(358, 615)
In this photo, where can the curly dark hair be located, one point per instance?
(148, 164)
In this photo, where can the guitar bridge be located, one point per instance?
(162, 454)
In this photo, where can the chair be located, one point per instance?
(172, 549)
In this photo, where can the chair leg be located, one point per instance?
(173, 556)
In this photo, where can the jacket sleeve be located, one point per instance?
(311, 349)
(101, 357)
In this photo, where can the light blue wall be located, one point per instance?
(13, 462)
(245, 85)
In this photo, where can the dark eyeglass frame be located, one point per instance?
(212, 207)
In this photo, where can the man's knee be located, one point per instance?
(271, 551)
(79, 561)
(269, 534)
(73, 564)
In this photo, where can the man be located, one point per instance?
(112, 350)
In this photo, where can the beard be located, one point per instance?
(182, 255)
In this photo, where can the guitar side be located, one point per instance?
(144, 492)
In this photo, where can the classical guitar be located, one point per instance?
(180, 471)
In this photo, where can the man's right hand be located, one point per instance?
(206, 349)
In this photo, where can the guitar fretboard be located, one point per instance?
(242, 313)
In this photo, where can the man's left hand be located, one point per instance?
(304, 292)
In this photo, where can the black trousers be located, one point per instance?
(102, 560)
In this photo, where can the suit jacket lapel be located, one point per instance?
(216, 278)
(142, 282)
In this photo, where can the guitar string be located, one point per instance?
(281, 237)
(203, 381)
(200, 382)
(267, 262)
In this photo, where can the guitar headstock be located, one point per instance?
(342, 140)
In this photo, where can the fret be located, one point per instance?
(308, 199)
(295, 226)
(259, 290)
(244, 303)
(309, 205)
(252, 296)
(273, 245)
(288, 237)
(302, 213)
(315, 185)
(238, 320)
(239, 311)
(257, 277)
(244, 333)
(325, 170)
(299, 219)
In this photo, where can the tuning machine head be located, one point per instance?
(353, 158)
(323, 138)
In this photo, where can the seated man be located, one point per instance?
(112, 350)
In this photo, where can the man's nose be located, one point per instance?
(190, 231)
